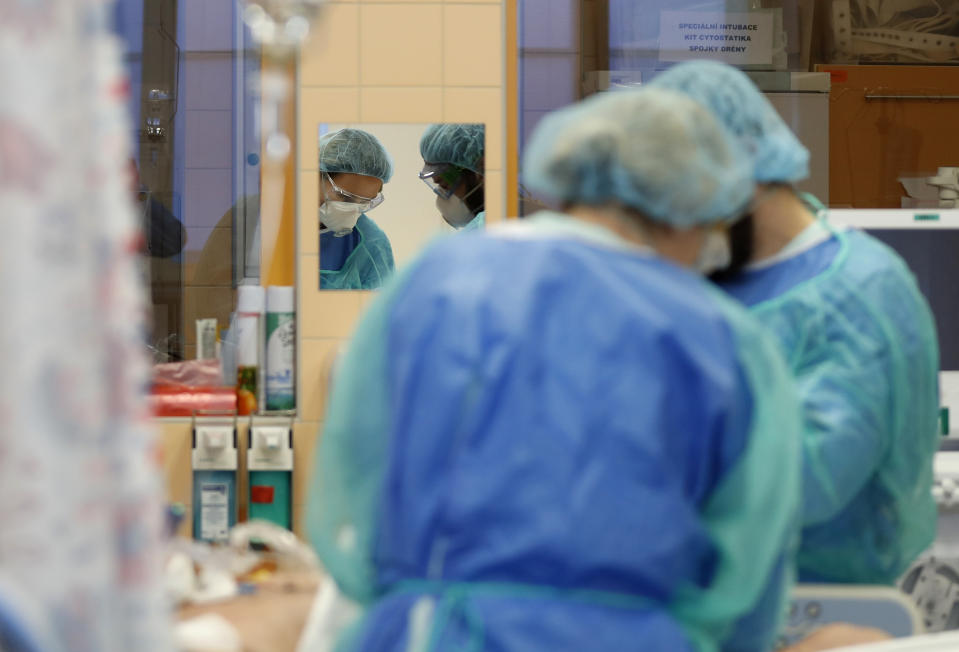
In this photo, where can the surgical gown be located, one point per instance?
(861, 341)
(363, 259)
(478, 222)
(542, 438)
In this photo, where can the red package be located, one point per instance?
(184, 401)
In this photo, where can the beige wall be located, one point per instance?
(389, 61)
(399, 62)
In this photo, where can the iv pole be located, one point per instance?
(280, 27)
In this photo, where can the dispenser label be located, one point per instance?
(214, 511)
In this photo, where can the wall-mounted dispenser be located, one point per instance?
(270, 467)
(215, 465)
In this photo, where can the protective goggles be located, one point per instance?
(365, 203)
(443, 178)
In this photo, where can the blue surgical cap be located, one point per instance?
(776, 153)
(655, 151)
(459, 144)
(354, 151)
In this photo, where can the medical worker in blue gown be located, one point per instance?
(859, 337)
(556, 435)
(355, 254)
(454, 169)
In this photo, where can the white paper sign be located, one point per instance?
(736, 38)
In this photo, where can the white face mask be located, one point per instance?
(715, 253)
(339, 217)
(455, 211)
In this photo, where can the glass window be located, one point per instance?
(195, 161)
(868, 86)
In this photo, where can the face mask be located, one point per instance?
(339, 217)
(715, 253)
(455, 211)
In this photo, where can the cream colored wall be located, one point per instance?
(389, 61)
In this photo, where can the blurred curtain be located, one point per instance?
(80, 495)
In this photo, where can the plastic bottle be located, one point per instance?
(249, 353)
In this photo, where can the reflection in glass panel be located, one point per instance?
(890, 136)
(874, 131)
(624, 43)
(919, 31)
(385, 190)
(195, 161)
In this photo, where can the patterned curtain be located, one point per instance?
(80, 494)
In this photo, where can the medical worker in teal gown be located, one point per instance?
(556, 434)
(859, 337)
(355, 253)
(454, 169)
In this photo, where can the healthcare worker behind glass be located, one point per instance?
(453, 167)
(860, 339)
(355, 254)
(552, 436)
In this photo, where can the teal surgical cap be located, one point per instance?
(655, 151)
(459, 144)
(354, 151)
(775, 152)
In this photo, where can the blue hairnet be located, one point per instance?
(355, 151)
(459, 144)
(775, 152)
(655, 151)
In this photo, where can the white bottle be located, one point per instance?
(280, 348)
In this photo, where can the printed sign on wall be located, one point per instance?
(736, 38)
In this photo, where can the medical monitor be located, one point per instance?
(928, 240)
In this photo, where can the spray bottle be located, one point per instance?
(215, 462)
(280, 341)
(270, 467)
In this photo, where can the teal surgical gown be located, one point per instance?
(544, 438)
(364, 258)
(478, 222)
(861, 341)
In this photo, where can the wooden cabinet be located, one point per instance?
(888, 122)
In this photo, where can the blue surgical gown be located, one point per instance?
(861, 341)
(362, 260)
(542, 438)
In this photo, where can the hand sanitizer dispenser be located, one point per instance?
(270, 467)
(214, 480)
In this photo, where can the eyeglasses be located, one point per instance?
(443, 178)
(367, 203)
